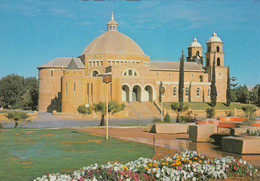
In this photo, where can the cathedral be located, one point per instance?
(66, 83)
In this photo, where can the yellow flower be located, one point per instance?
(185, 159)
(200, 161)
(190, 161)
(208, 161)
(147, 168)
(150, 164)
(155, 164)
(172, 164)
(195, 158)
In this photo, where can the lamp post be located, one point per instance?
(107, 79)
(162, 91)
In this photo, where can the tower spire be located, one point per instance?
(112, 24)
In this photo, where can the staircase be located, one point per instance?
(142, 110)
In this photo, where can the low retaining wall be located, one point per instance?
(172, 128)
(241, 145)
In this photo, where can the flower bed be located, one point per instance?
(188, 165)
(250, 132)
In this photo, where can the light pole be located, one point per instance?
(162, 90)
(107, 79)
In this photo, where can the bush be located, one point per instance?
(210, 112)
(249, 111)
(167, 118)
(82, 109)
(18, 116)
(229, 113)
(156, 120)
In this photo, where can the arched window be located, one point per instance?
(217, 48)
(95, 73)
(207, 61)
(74, 88)
(218, 61)
(208, 92)
(51, 73)
(174, 91)
(208, 50)
(198, 91)
(201, 78)
(187, 91)
(130, 72)
(197, 53)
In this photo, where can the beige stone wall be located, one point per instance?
(50, 89)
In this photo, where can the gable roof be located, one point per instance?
(62, 62)
(72, 65)
(174, 66)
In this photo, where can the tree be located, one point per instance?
(178, 108)
(259, 97)
(19, 92)
(181, 78)
(82, 109)
(249, 111)
(113, 107)
(228, 93)
(242, 94)
(167, 118)
(11, 90)
(253, 95)
(233, 87)
(213, 93)
(17, 116)
(210, 112)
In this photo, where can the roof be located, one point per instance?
(72, 65)
(214, 38)
(113, 42)
(62, 62)
(195, 43)
(174, 66)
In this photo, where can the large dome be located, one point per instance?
(113, 42)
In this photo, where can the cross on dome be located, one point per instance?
(214, 34)
(195, 39)
(112, 24)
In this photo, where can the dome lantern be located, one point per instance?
(214, 38)
(112, 25)
(195, 43)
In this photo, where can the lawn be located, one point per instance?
(204, 105)
(28, 153)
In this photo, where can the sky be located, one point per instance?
(33, 32)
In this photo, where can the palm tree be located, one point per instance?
(17, 116)
(178, 108)
(113, 107)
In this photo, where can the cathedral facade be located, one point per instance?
(66, 83)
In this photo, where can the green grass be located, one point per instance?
(204, 106)
(27, 153)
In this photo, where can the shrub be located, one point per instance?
(167, 118)
(82, 109)
(183, 119)
(249, 111)
(229, 113)
(210, 112)
(156, 120)
(17, 116)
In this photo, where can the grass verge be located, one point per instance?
(27, 153)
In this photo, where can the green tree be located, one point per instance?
(179, 108)
(253, 95)
(19, 92)
(249, 111)
(210, 112)
(17, 116)
(82, 109)
(228, 93)
(181, 77)
(233, 87)
(167, 118)
(11, 90)
(242, 94)
(113, 107)
(213, 93)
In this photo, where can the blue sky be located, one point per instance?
(33, 32)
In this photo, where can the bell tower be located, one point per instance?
(215, 52)
(195, 52)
